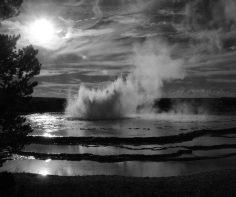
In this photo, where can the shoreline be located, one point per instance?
(214, 183)
(216, 106)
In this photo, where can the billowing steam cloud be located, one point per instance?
(212, 23)
(121, 98)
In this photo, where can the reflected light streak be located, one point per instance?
(43, 172)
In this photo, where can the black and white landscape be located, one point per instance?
(118, 97)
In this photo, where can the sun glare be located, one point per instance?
(41, 31)
(43, 172)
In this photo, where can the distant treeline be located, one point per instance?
(45, 104)
(175, 105)
(216, 106)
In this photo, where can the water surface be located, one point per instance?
(214, 148)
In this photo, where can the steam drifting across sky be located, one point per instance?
(141, 87)
(107, 44)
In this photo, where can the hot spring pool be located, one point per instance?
(153, 145)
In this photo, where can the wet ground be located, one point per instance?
(140, 146)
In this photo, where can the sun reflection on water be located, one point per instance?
(21, 157)
(48, 160)
(43, 172)
(48, 135)
(48, 123)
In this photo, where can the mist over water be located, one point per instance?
(210, 27)
(121, 98)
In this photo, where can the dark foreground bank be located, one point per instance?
(217, 183)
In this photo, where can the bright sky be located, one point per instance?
(91, 42)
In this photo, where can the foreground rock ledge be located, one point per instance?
(216, 183)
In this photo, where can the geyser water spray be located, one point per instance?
(141, 87)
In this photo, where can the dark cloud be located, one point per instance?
(9, 8)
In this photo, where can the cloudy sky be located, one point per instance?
(94, 42)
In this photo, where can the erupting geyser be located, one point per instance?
(121, 98)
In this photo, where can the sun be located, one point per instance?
(41, 31)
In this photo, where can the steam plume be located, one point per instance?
(121, 98)
(212, 23)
